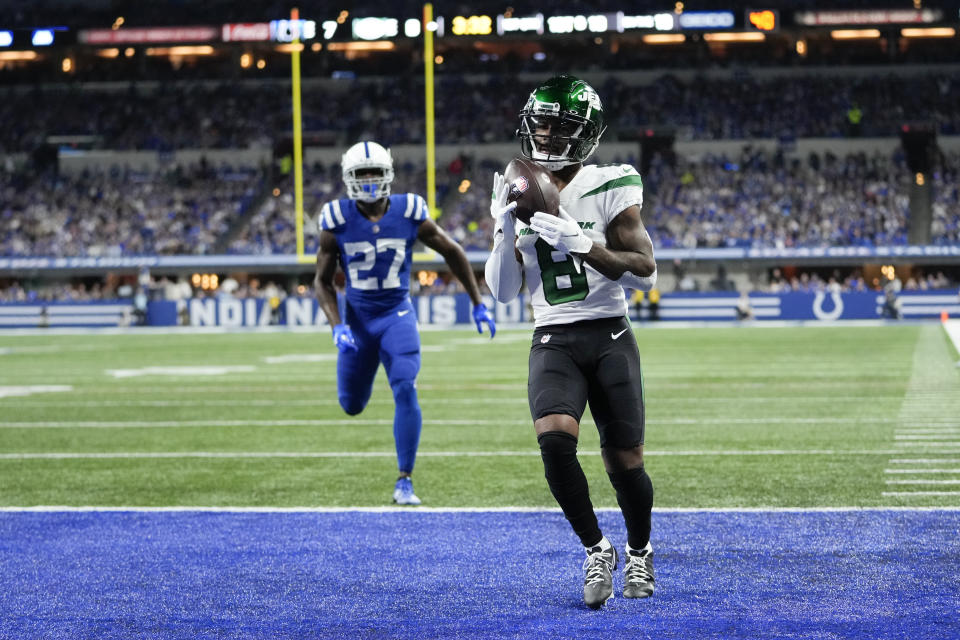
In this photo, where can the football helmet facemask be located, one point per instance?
(367, 171)
(561, 123)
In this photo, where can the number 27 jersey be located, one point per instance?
(375, 256)
(559, 294)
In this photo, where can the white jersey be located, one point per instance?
(560, 295)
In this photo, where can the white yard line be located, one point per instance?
(428, 510)
(928, 414)
(72, 455)
(926, 482)
(917, 494)
(931, 445)
(927, 430)
(149, 424)
(925, 461)
(325, 402)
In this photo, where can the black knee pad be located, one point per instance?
(628, 478)
(559, 452)
(558, 443)
(568, 484)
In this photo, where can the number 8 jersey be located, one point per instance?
(375, 256)
(559, 294)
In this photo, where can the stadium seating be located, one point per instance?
(481, 110)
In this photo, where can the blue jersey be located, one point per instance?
(375, 256)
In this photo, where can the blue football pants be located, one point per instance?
(391, 339)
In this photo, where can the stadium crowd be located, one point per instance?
(122, 212)
(475, 110)
(755, 200)
(766, 200)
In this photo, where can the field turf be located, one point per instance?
(807, 485)
(736, 417)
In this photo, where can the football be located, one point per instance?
(531, 188)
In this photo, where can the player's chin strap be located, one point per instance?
(631, 280)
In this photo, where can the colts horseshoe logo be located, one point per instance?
(818, 311)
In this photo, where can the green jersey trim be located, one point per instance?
(625, 181)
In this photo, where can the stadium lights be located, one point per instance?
(411, 28)
(289, 48)
(6, 38)
(9, 56)
(664, 38)
(854, 34)
(107, 53)
(379, 45)
(752, 36)
(42, 37)
(204, 50)
(932, 32)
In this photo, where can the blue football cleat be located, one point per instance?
(403, 492)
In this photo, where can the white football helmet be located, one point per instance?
(374, 164)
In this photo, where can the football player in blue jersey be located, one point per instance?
(370, 234)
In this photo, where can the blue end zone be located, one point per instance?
(870, 574)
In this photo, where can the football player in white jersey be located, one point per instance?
(576, 266)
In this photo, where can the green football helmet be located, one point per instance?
(561, 123)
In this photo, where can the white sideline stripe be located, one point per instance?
(923, 481)
(26, 390)
(69, 455)
(300, 357)
(935, 436)
(203, 370)
(945, 443)
(422, 510)
(921, 470)
(952, 327)
(239, 402)
(926, 430)
(145, 424)
(925, 460)
(918, 494)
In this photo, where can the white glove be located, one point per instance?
(502, 270)
(500, 209)
(561, 232)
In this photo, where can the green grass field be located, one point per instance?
(736, 417)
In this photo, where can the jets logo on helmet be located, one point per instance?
(367, 171)
(561, 123)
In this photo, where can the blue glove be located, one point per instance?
(343, 338)
(481, 315)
